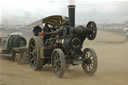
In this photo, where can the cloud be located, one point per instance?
(27, 11)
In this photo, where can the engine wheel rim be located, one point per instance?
(90, 61)
(33, 53)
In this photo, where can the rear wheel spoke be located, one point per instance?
(32, 46)
(34, 63)
(32, 59)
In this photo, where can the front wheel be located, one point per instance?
(89, 61)
(58, 62)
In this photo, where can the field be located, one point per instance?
(112, 52)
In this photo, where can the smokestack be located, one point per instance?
(71, 10)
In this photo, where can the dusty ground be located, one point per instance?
(112, 67)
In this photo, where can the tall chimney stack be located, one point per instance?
(71, 10)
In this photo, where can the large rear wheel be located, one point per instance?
(89, 61)
(35, 59)
(58, 62)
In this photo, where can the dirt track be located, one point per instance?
(112, 67)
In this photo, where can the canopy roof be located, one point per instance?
(55, 20)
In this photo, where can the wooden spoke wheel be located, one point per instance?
(89, 61)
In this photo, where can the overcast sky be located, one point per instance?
(27, 11)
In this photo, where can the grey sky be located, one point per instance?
(25, 12)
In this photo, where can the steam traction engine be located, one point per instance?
(59, 43)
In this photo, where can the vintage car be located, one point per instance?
(15, 47)
(58, 42)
